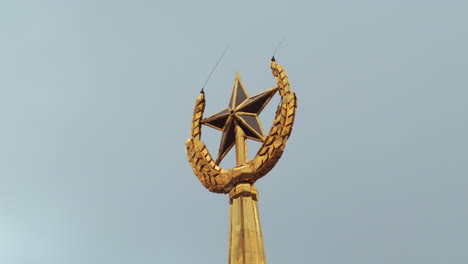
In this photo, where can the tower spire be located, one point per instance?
(239, 122)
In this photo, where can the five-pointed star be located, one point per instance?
(242, 111)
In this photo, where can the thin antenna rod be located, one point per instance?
(216, 65)
(277, 47)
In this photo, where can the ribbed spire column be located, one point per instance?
(245, 233)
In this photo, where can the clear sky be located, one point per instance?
(96, 100)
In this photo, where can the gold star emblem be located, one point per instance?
(241, 112)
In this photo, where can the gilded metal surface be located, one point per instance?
(238, 122)
(219, 180)
(245, 235)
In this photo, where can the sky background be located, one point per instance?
(96, 101)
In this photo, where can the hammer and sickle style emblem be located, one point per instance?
(238, 122)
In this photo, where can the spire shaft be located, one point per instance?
(245, 233)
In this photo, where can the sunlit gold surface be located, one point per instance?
(245, 239)
(241, 147)
(245, 236)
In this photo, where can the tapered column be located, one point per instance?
(245, 238)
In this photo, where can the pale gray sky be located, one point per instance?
(96, 99)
